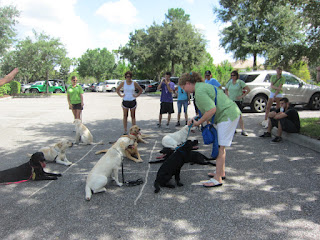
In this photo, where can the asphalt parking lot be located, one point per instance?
(272, 191)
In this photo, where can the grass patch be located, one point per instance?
(310, 127)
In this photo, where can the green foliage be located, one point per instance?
(300, 69)
(259, 28)
(5, 89)
(98, 63)
(223, 72)
(14, 87)
(8, 15)
(37, 59)
(155, 50)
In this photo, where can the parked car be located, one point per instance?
(111, 85)
(25, 88)
(143, 84)
(101, 87)
(152, 87)
(297, 91)
(92, 87)
(55, 86)
(85, 87)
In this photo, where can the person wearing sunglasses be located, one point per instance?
(129, 99)
(75, 98)
(237, 89)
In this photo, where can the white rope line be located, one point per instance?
(63, 171)
(147, 174)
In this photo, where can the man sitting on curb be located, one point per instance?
(285, 119)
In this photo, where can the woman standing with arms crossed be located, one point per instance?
(75, 98)
(226, 118)
(276, 93)
(234, 90)
(129, 99)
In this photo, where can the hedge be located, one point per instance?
(10, 88)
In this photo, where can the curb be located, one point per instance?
(300, 139)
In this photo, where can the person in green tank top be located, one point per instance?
(226, 113)
(275, 95)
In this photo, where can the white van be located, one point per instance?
(111, 85)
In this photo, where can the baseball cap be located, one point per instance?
(207, 73)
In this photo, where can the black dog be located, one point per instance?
(172, 166)
(32, 170)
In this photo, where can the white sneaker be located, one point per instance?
(167, 126)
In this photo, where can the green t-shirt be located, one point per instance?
(235, 90)
(277, 82)
(74, 94)
(226, 108)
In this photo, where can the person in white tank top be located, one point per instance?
(129, 99)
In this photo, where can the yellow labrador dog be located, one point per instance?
(108, 165)
(83, 135)
(132, 153)
(57, 152)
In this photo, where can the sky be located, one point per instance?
(90, 24)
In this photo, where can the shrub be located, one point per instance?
(5, 89)
(15, 87)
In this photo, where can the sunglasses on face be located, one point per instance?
(128, 76)
(233, 75)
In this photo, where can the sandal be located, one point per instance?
(212, 183)
(211, 175)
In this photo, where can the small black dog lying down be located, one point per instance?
(32, 170)
(172, 166)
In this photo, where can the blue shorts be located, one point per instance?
(183, 103)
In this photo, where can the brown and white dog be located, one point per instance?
(132, 153)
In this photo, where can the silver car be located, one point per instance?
(297, 91)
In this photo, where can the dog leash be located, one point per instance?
(186, 138)
(130, 183)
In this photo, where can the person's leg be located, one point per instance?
(269, 104)
(133, 116)
(241, 123)
(125, 118)
(160, 119)
(169, 118)
(179, 104)
(277, 100)
(279, 131)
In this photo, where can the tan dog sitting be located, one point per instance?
(83, 135)
(132, 153)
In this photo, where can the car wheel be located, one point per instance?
(58, 91)
(314, 102)
(259, 103)
(34, 90)
(26, 91)
(113, 89)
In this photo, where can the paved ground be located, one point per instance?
(271, 192)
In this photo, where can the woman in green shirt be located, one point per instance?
(237, 89)
(226, 117)
(75, 98)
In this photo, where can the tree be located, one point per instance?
(98, 63)
(184, 43)
(258, 28)
(8, 15)
(153, 51)
(37, 59)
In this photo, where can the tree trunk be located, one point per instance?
(254, 62)
(47, 82)
(172, 68)
(318, 74)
